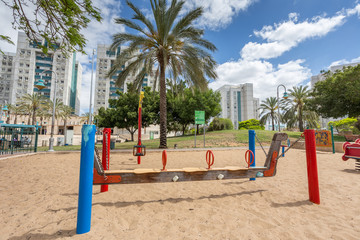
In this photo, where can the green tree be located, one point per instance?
(124, 111)
(296, 110)
(251, 124)
(183, 107)
(33, 102)
(346, 124)
(172, 44)
(268, 109)
(16, 111)
(338, 95)
(221, 124)
(56, 21)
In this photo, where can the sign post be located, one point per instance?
(199, 119)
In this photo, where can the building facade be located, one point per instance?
(238, 103)
(7, 62)
(30, 64)
(105, 88)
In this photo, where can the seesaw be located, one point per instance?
(102, 176)
(92, 173)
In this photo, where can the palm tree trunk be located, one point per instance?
(272, 122)
(34, 117)
(163, 113)
(29, 119)
(301, 123)
(15, 120)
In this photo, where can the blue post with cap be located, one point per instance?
(86, 179)
(252, 148)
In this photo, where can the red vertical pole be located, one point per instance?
(139, 135)
(313, 181)
(139, 126)
(106, 154)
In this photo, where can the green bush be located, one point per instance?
(251, 124)
(221, 124)
(346, 124)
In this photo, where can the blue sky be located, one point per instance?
(260, 41)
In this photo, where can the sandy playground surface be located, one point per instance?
(39, 200)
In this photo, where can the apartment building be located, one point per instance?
(238, 103)
(30, 64)
(105, 88)
(7, 61)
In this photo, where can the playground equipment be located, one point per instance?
(352, 151)
(99, 176)
(105, 154)
(139, 149)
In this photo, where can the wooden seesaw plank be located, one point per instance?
(176, 175)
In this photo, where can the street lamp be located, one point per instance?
(91, 87)
(40, 85)
(285, 96)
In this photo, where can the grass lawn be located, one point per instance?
(226, 138)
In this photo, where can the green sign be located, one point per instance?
(199, 117)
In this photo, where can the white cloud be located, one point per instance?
(218, 13)
(344, 61)
(264, 76)
(355, 10)
(286, 35)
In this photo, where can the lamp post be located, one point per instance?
(91, 87)
(40, 85)
(278, 101)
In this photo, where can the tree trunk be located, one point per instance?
(34, 117)
(301, 123)
(163, 114)
(29, 119)
(273, 122)
(15, 120)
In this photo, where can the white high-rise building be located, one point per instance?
(7, 62)
(105, 88)
(31, 64)
(238, 103)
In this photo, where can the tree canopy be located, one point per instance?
(123, 112)
(338, 95)
(56, 21)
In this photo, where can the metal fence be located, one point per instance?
(15, 138)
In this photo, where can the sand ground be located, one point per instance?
(38, 196)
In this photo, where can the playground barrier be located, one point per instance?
(92, 172)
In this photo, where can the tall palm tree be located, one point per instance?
(296, 111)
(33, 103)
(268, 109)
(65, 115)
(58, 110)
(171, 44)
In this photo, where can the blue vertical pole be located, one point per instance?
(332, 138)
(86, 179)
(252, 148)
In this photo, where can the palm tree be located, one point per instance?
(33, 103)
(173, 44)
(65, 115)
(15, 110)
(85, 118)
(269, 107)
(296, 111)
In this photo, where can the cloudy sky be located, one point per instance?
(263, 42)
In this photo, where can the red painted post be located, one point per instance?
(313, 181)
(139, 126)
(139, 135)
(106, 154)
